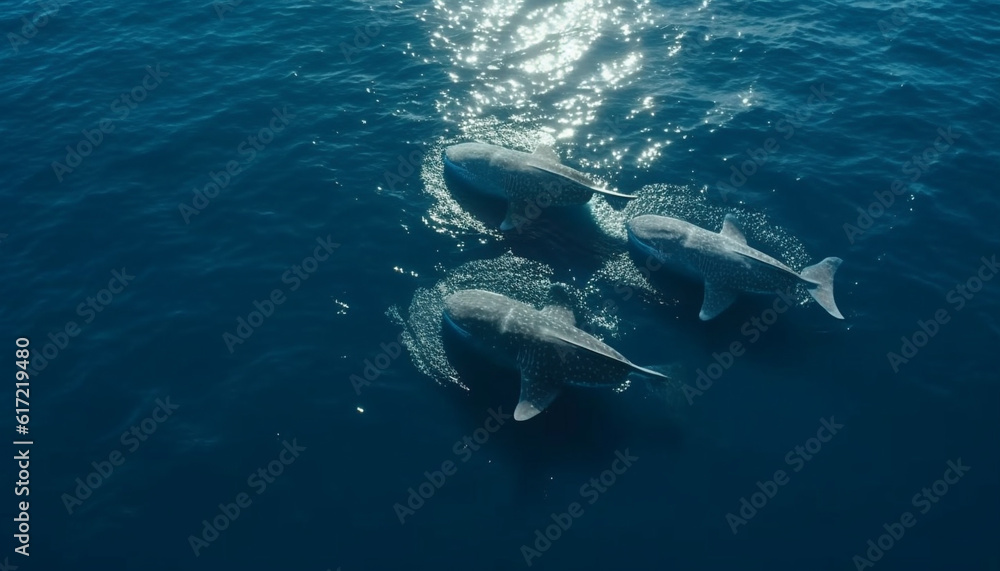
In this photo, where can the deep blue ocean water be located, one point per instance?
(331, 119)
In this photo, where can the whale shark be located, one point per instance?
(536, 179)
(545, 344)
(726, 263)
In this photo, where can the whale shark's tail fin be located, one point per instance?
(608, 192)
(821, 287)
(649, 372)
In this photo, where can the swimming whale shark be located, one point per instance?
(726, 263)
(523, 179)
(544, 344)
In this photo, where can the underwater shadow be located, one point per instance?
(553, 235)
(746, 321)
(577, 432)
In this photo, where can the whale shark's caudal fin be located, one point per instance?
(607, 192)
(821, 276)
(650, 372)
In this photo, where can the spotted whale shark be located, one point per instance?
(545, 344)
(726, 263)
(522, 179)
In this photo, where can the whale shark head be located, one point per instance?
(660, 236)
(526, 180)
(474, 313)
(472, 163)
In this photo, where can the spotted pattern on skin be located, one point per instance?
(550, 351)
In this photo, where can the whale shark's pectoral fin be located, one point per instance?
(717, 299)
(731, 229)
(515, 217)
(546, 152)
(539, 386)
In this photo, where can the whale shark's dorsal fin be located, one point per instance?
(561, 305)
(717, 299)
(560, 312)
(539, 387)
(731, 229)
(546, 152)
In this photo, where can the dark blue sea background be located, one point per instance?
(172, 170)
